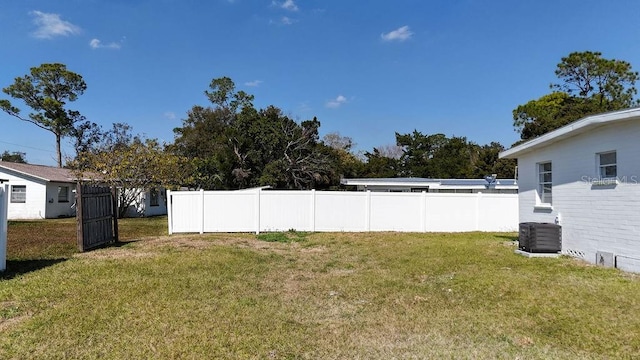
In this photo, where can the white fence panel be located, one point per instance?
(231, 211)
(185, 211)
(341, 211)
(496, 212)
(286, 210)
(4, 205)
(397, 212)
(451, 212)
(257, 210)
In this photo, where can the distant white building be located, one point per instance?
(489, 185)
(46, 192)
(585, 176)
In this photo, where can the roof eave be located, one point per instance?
(24, 173)
(575, 128)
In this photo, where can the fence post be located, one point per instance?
(423, 211)
(202, 219)
(257, 213)
(313, 210)
(169, 212)
(367, 211)
(79, 216)
(4, 205)
(478, 210)
(114, 213)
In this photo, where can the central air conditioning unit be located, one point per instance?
(540, 237)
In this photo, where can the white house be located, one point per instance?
(147, 203)
(39, 192)
(584, 176)
(488, 185)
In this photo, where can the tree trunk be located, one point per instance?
(58, 152)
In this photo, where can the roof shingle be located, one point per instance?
(48, 173)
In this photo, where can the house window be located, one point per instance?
(154, 197)
(63, 194)
(544, 182)
(607, 165)
(18, 193)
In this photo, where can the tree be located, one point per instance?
(488, 162)
(336, 141)
(438, 156)
(377, 165)
(418, 151)
(301, 165)
(16, 157)
(46, 90)
(589, 85)
(232, 145)
(344, 162)
(608, 82)
(454, 159)
(130, 163)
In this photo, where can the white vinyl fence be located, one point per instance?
(262, 211)
(4, 204)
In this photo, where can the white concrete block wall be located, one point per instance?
(36, 199)
(55, 208)
(593, 218)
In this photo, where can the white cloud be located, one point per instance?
(254, 83)
(97, 44)
(170, 115)
(337, 102)
(400, 34)
(286, 4)
(285, 21)
(51, 25)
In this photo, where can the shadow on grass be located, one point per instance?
(508, 237)
(20, 267)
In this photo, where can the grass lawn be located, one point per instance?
(316, 296)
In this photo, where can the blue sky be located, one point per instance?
(366, 69)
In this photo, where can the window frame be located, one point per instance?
(66, 194)
(154, 197)
(602, 168)
(23, 194)
(545, 197)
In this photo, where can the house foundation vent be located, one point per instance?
(605, 259)
(540, 237)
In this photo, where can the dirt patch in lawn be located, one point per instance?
(115, 253)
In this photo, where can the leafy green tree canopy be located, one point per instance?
(233, 145)
(439, 156)
(589, 84)
(46, 90)
(131, 163)
(16, 157)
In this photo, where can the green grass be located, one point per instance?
(56, 238)
(327, 296)
(283, 237)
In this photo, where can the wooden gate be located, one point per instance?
(97, 216)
